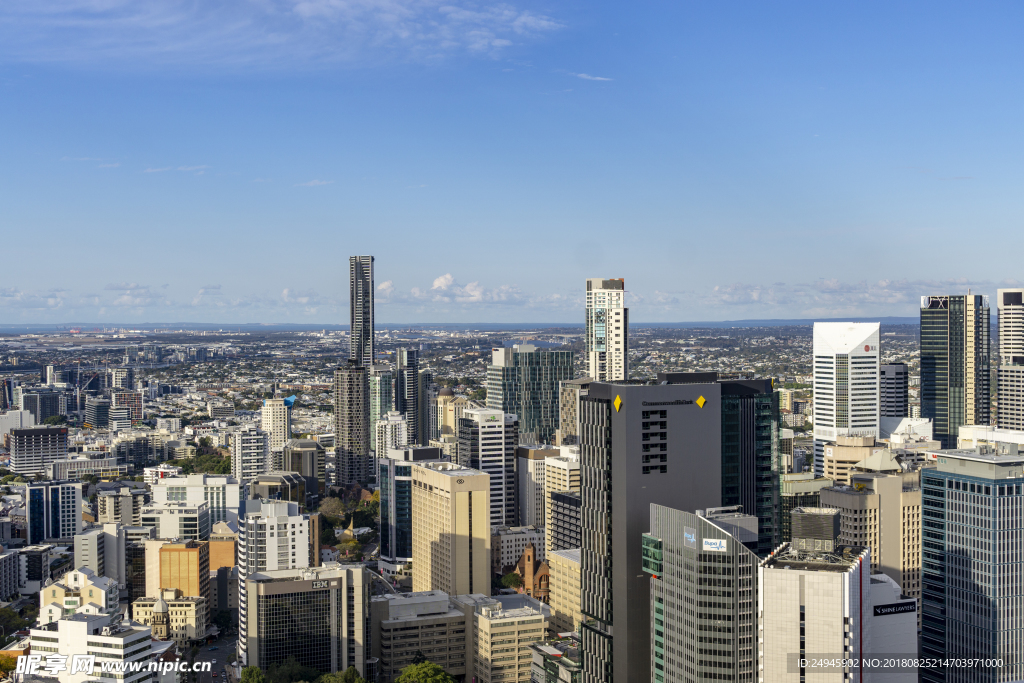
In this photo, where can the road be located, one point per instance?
(225, 648)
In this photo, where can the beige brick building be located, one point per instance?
(451, 529)
(564, 590)
(504, 628)
(841, 457)
(186, 618)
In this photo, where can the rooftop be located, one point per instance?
(841, 560)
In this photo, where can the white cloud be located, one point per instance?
(264, 33)
(314, 183)
(193, 168)
(157, 170)
(588, 77)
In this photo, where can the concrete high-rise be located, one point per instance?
(272, 535)
(223, 493)
(427, 422)
(846, 383)
(308, 458)
(361, 342)
(390, 431)
(394, 481)
(954, 363)
(607, 330)
(276, 421)
(894, 390)
(973, 515)
(811, 603)
(351, 424)
(407, 389)
(883, 512)
(525, 381)
(1010, 372)
(530, 484)
(382, 400)
(33, 449)
(53, 510)
(487, 442)
(569, 395)
(250, 454)
(451, 529)
(677, 443)
(684, 553)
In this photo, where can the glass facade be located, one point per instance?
(298, 625)
(529, 388)
(395, 481)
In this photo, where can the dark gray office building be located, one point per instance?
(565, 520)
(955, 363)
(407, 390)
(687, 442)
(361, 309)
(972, 598)
(703, 580)
(894, 383)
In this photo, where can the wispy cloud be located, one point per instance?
(157, 170)
(314, 183)
(588, 77)
(114, 165)
(264, 33)
(193, 168)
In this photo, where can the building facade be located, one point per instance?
(487, 441)
(407, 389)
(564, 587)
(382, 400)
(530, 470)
(53, 510)
(222, 494)
(187, 521)
(686, 557)
(846, 383)
(894, 390)
(352, 424)
(451, 529)
(250, 453)
(525, 381)
(276, 422)
(405, 625)
(607, 330)
(33, 449)
(1010, 372)
(954, 363)
(361, 340)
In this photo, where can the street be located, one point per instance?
(225, 648)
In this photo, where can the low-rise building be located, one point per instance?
(81, 590)
(151, 475)
(404, 625)
(504, 629)
(558, 660)
(34, 568)
(122, 505)
(173, 616)
(83, 634)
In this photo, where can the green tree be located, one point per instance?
(56, 420)
(7, 663)
(427, 672)
(419, 657)
(291, 671)
(223, 619)
(512, 580)
(253, 674)
(350, 675)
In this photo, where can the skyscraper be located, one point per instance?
(250, 454)
(525, 380)
(394, 482)
(684, 553)
(451, 529)
(954, 363)
(1010, 373)
(351, 424)
(407, 389)
(846, 383)
(678, 443)
(607, 330)
(381, 398)
(426, 424)
(276, 421)
(973, 514)
(272, 535)
(361, 309)
(894, 390)
(487, 442)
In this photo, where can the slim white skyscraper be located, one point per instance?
(487, 442)
(607, 333)
(276, 421)
(250, 454)
(1010, 372)
(846, 383)
(361, 309)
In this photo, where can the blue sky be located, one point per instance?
(218, 162)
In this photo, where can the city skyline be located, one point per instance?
(729, 162)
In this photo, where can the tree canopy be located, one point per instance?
(512, 580)
(426, 672)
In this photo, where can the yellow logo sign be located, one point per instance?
(701, 401)
(617, 403)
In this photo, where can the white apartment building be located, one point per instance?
(184, 521)
(272, 535)
(102, 550)
(391, 431)
(846, 383)
(607, 331)
(222, 493)
(84, 634)
(276, 421)
(487, 442)
(250, 453)
(151, 475)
